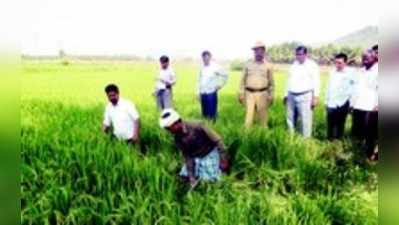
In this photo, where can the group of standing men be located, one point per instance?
(348, 90)
(212, 77)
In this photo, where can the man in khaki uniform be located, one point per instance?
(257, 86)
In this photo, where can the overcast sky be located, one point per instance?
(186, 27)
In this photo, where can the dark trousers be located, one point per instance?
(365, 128)
(336, 118)
(209, 104)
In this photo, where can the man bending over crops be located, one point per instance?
(122, 116)
(202, 148)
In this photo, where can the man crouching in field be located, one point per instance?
(202, 148)
(122, 115)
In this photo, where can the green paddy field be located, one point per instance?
(71, 173)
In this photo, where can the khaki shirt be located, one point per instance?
(257, 76)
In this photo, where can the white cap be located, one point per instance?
(168, 118)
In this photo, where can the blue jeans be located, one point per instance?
(209, 103)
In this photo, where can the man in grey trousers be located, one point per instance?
(164, 83)
(302, 91)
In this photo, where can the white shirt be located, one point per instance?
(340, 87)
(304, 77)
(121, 117)
(365, 95)
(211, 78)
(390, 82)
(165, 77)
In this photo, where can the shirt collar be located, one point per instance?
(208, 66)
(184, 133)
(120, 101)
(259, 63)
(185, 130)
(304, 63)
(372, 68)
(343, 71)
(375, 66)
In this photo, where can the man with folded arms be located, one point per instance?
(302, 91)
(257, 86)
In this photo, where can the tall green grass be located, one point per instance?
(71, 173)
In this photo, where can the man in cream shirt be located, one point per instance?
(302, 91)
(164, 84)
(365, 104)
(122, 116)
(257, 86)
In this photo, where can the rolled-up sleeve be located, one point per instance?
(107, 118)
(132, 111)
(243, 80)
(288, 82)
(190, 165)
(316, 79)
(172, 77)
(270, 89)
(223, 75)
(216, 138)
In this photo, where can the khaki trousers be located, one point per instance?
(256, 102)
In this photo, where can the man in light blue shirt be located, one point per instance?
(212, 78)
(339, 92)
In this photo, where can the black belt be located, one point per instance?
(255, 90)
(166, 88)
(300, 93)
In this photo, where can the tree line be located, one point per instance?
(324, 55)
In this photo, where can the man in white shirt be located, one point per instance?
(339, 91)
(302, 91)
(365, 104)
(121, 115)
(163, 87)
(212, 78)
